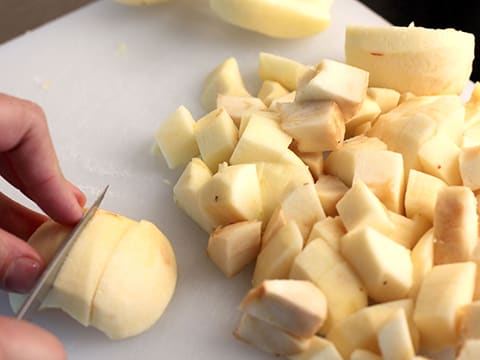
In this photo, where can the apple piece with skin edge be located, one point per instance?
(224, 79)
(412, 59)
(296, 306)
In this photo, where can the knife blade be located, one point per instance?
(45, 282)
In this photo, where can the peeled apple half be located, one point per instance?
(276, 18)
(119, 276)
(412, 59)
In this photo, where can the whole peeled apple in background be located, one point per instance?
(119, 276)
(142, 2)
(412, 59)
(287, 19)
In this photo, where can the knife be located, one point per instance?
(45, 282)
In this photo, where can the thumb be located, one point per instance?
(20, 340)
(20, 264)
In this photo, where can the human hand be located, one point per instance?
(28, 162)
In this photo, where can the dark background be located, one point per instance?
(17, 16)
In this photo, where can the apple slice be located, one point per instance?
(279, 18)
(137, 283)
(412, 59)
(76, 284)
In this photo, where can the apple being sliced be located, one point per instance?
(278, 18)
(137, 283)
(76, 283)
(119, 276)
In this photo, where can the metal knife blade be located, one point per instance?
(45, 282)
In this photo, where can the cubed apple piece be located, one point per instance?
(276, 257)
(382, 171)
(330, 229)
(436, 315)
(471, 136)
(232, 195)
(269, 338)
(271, 90)
(224, 79)
(386, 98)
(422, 260)
(216, 136)
(297, 307)
(324, 266)
(367, 112)
(315, 125)
(314, 161)
(261, 140)
(288, 98)
(276, 181)
(359, 330)
(470, 350)
(412, 123)
(232, 247)
(455, 225)
(238, 106)
(440, 157)
(421, 194)
(285, 71)
(175, 138)
(469, 322)
(384, 267)
(339, 82)
(330, 190)
(359, 207)
(408, 230)
(303, 206)
(472, 107)
(362, 129)
(187, 189)
(319, 349)
(342, 162)
(360, 354)
(394, 338)
(276, 221)
(469, 162)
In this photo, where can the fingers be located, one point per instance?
(20, 340)
(17, 219)
(20, 264)
(30, 163)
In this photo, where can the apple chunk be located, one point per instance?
(295, 306)
(233, 246)
(315, 126)
(269, 338)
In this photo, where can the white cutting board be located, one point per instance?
(106, 75)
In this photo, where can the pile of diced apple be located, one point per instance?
(358, 205)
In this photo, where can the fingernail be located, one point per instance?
(21, 274)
